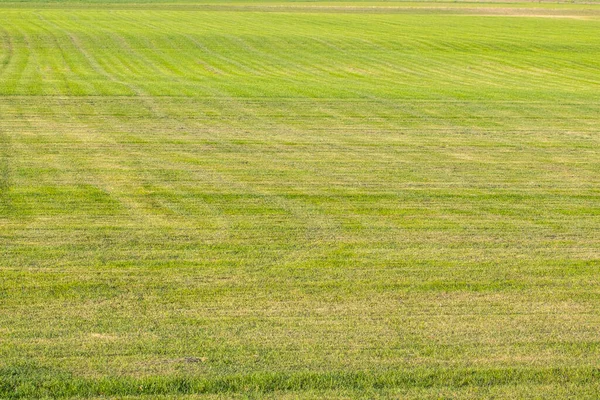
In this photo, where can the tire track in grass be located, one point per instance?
(14, 70)
(267, 64)
(319, 224)
(7, 43)
(141, 60)
(31, 80)
(99, 69)
(226, 99)
(315, 225)
(232, 101)
(182, 69)
(61, 66)
(160, 61)
(318, 227)
(77, 23)
(135, 55)
(93, 64)
(135, 193)
(227, 60)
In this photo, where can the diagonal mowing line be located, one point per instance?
(9, 46)
(99, 69)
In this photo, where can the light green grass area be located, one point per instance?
(287, 201)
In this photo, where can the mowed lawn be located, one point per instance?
(299, 200)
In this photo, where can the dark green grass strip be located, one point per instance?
(29, 381)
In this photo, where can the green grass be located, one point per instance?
(307, 200)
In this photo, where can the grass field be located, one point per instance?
(299, 200)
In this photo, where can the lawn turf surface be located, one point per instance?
(297, 199)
